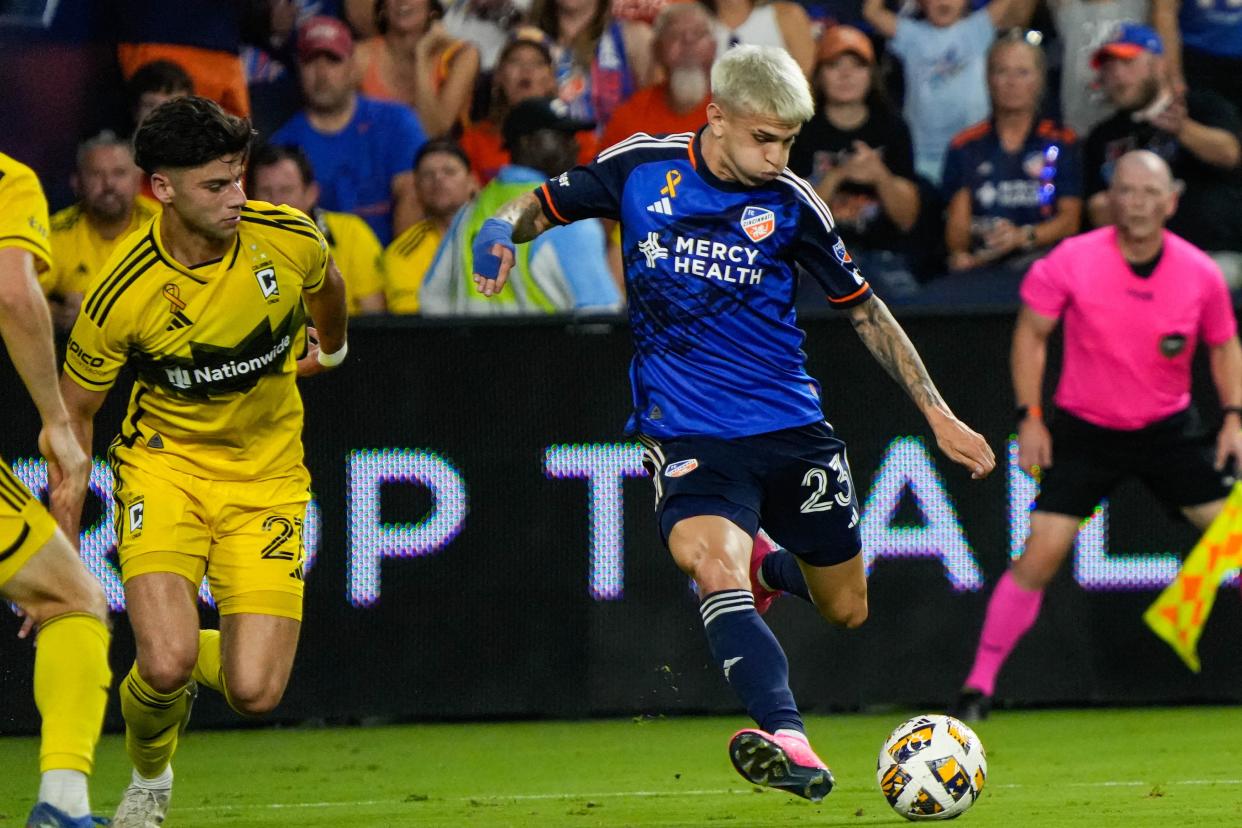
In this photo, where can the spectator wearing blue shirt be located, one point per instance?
(943, 62)
(1013, 183)
(565, 269)
(361, 149)
(1203, 42)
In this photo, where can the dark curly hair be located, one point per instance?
(189, 132)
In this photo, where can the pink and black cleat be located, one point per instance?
(760, 549)
(780, 760)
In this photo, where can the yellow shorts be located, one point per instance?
(246, 536)
(25, 526)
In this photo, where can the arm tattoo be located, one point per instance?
(526, 215)
(890, 346)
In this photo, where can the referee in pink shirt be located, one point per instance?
(1135, 300)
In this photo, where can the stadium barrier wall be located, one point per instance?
(482, 542)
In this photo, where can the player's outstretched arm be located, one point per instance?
(517, 222)
(890, 346)
(26, 326)
(81, 405)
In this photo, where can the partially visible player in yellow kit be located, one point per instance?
(206, 305)
(110, 206)
(39, 568)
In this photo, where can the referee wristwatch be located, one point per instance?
(1034, 412)
(1029, 240)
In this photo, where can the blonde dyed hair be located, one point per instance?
(762, 80)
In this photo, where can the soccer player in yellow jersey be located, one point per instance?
(283, 175)
(39, 568)
(206, 305)
(443, 182)
(109, 208)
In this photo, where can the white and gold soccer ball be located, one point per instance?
(932, 767)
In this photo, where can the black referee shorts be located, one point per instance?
(1173, 458)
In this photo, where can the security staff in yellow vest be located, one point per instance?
(564, 270)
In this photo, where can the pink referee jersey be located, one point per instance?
(1129, 340)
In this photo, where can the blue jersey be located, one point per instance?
(356, 166)
(1212, 26)
(711, 270)
(1021, 186)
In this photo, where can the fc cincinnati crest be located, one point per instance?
(843, 255)
(758, 223)
(681, 468)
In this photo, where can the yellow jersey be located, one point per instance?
(23, 212)
(213, 346)
(78, 249)
(357, 253)
(406, 262)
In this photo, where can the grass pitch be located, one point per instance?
(1095, 768)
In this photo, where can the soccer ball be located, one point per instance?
(932, 767)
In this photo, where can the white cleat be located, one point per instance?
(142, 808)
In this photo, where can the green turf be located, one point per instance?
(1098, 768)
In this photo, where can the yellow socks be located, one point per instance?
(208, 670)
(71, 684)
(152, 723)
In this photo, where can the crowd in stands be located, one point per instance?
(953, 144)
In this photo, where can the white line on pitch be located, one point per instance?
(646, 794)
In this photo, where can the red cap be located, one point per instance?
(323, 35)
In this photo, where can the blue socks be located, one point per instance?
(780, 570)
(753, 662)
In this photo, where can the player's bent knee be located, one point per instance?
(1035, 571)
(167, 670)
(56, 583)
(89, 597)
(713, 574)
(712, 563)
(849, 614)
(254, 697)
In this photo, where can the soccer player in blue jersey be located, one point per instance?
(714, 230)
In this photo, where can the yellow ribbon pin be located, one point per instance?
(173, 294)
(671, 178)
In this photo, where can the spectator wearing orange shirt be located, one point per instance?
(523, 71)
(685, 47)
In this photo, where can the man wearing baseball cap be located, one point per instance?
(1197, 135)
(565, 269)
(362, 149)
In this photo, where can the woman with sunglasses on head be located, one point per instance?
(1013, 183)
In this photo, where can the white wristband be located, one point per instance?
(333, 359)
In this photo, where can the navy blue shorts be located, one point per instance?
(795, 483)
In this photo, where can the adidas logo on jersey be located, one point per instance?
(663, 206)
